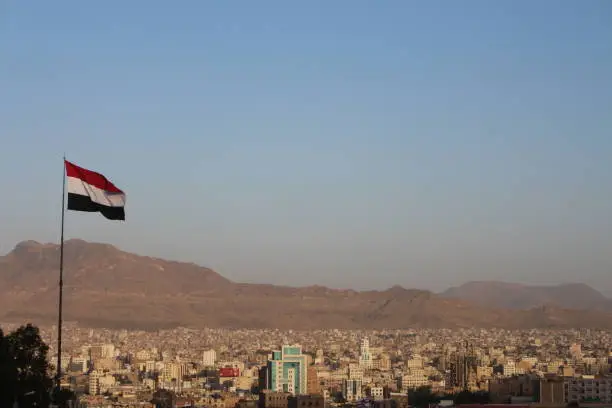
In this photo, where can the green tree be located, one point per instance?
(28, 354)
(25, 373)
(61, 397)
(467, 397)
(8, 374)
(421, 397)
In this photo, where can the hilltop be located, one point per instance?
(105, 286)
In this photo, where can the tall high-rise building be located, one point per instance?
(209, 358)
(107, 350)
(385, 362)
(94, 383)
(352, 390)
(552, 391)
(95, 353)
(287, 371)
(365, 358)
(313, 386)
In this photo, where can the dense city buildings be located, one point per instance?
(280, 369)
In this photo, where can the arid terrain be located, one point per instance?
(105, 286)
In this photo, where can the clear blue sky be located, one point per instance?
(345, 143)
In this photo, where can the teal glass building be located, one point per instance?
(287, 371)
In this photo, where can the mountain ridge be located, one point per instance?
(105, 285)
(519, 296)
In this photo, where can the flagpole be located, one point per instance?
(61, 280)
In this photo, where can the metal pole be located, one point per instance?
(61, 281)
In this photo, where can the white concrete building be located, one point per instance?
(589, 389)
(209, 358)
(352, 390)
(365, 358)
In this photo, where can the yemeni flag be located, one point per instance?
(92, 192)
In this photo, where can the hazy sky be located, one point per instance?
(346, 143)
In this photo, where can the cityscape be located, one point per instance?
(325, 368)
(306, 204)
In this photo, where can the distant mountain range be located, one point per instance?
(107, 287)
(517, 296)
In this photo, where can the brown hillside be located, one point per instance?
(517, 296)
(105, 286)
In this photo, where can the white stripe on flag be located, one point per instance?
(97, 195)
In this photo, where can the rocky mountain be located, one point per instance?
(516, 296)
(104, 286)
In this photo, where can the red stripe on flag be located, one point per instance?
(91, 177)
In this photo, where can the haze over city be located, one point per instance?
(333, 143)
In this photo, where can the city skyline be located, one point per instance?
(334, 144)
(242, 368)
